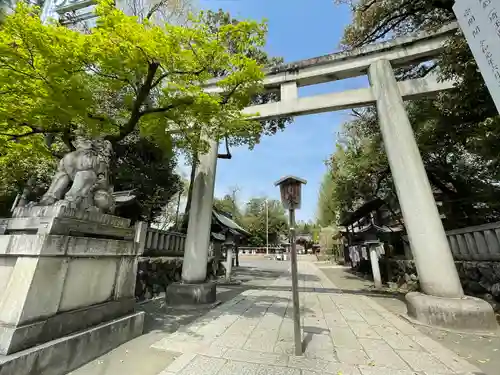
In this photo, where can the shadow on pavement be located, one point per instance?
(161, 319)
(364, 292)
(253, 273)
(480, 350)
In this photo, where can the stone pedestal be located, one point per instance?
(435, 266)
(467, 313)
(63, 271)
(181, 295)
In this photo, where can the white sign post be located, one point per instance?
(480, 23)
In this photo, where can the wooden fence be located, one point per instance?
(164, 243)
(481, 242)
(258, 250)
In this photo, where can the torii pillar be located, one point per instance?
(443, 302)
(194, 289)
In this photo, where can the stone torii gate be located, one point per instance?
(444, 302)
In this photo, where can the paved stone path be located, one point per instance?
(343, 334)
(479, 348)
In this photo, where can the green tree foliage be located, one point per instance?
(252, 217)
(306, 233)
(161, 11)
(147, 169)
(15, 178)
(306, 227)
(254, 221)
(456, 131)
(125, 76)
(170, 217)
(373, 20)
(229, 205)
(327, 210)
(357, 170)
(215, 21)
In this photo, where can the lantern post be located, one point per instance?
(290, 189)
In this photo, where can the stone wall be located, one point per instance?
(479, 278)
(154, 274)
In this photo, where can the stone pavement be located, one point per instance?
(343, 334)
(479, 348)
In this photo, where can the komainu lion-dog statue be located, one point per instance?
(82, 178)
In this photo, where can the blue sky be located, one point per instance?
(298, 29)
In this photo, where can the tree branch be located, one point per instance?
(436, 181)
(68, 138)
(365, 7)
(11, 68)
(15, 137)
(96, 71)
(230, 94)
(428, 69)
(34, 130)
(356, 113)
(389, 23)
(228, 155)
(143, 94)
(381, 178)
(153, 10)
(102, 118)
(158, 110)
(160, 78)
(184, 101)
(165, 75)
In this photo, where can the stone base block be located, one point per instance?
(14, 339)
(71, 213)
(180, 294)
(63, 355)
(467, 313)
(60, 221)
